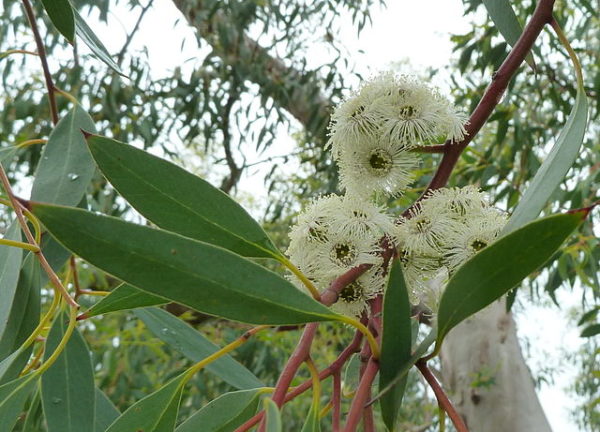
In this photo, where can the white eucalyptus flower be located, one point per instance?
(425, 231)
(456, 202)
(376, 167)
(359, 217)
(472, 236)
(353, 298)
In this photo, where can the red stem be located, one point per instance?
(492, 96)
(336, 401)
(441, 397)
(361, 396)
(42, 54)
(334, 367)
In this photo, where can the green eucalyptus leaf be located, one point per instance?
(192, 344)
(223, 414)
(396, 342)
(24, 317)
(66, 167)
(312, 423)
(10, 265)
(11, 366)
(61, 15)
(13, 396)
(123, 297)
(179, 201)
(68, 394)
(591, 330)
(201, 276)
(502, 14)
(273, 416)
(88, 37)
(488, 275)
(156, 412)
(352, 374)
(106, 412)
(555, 167)
(34, 417)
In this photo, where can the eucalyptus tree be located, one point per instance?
(197, 251)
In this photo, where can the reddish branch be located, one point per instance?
(361, 396)
(492, 96)
(452, 151)
(41, 51)
(332, 369)
(336, 400)
(441, 397)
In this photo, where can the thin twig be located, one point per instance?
(492, 96)
(441, 397)
(130, 36)
(16, 205)
(334, 367)
(336, 400)
(41, 51)
(361, 396)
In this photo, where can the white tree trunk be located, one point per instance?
(490, 384)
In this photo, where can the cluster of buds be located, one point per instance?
(373, 137)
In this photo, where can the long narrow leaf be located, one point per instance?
(195, 347)
(68, 394)
(224, 414)
(555, 167)
(492, 272)
(61, 15)
(179, 201)
(396, 343)
(201, 276)
(66, 167)
(88, 37)
(156, 412)
(124, 297)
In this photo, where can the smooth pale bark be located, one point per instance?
(484, 350)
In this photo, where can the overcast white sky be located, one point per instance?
(417, 31)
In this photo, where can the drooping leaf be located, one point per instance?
(88, 37)
(492, 272)
(61, 15)
(34, 416)
(396, 342)
(68, 394)
(503, 15)
(156, 412)
(106, 412)
(273, 416)
(591, 330)
(179, 201)
(11, 366)
(351, 374)
(23, 318)
(555, 167)
(196, 347)
(223, 414)
(13, 396)
(10, 265)
(66, 167)
(312, 423)
(124, 297)
(201, 276)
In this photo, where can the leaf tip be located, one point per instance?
(584, 211)
(86, 134)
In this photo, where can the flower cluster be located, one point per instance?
(374, 131)
(440, 234)
(373, 135)
(335, 234)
